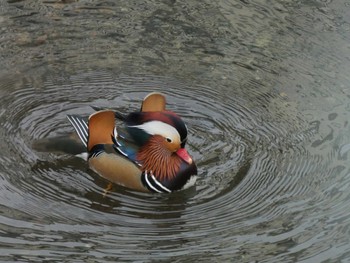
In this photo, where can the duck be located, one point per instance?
(142, 150)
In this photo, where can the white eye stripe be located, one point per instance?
(159, 128)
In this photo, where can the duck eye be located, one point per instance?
(168, 139)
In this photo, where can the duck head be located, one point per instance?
(161, 136)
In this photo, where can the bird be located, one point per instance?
(142, 150)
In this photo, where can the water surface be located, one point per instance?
(263, 87)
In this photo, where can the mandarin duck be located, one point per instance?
(147, 155)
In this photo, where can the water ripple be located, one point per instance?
(253, 175)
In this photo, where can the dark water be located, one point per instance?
(264, 88)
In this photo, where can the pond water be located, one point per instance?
(263, 86)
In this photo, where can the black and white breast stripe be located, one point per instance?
(150, 181)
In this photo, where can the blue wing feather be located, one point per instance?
(125, 145)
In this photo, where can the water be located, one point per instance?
(263, 87)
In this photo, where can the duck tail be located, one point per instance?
(81, 127)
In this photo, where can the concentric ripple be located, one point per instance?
(254, 177)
